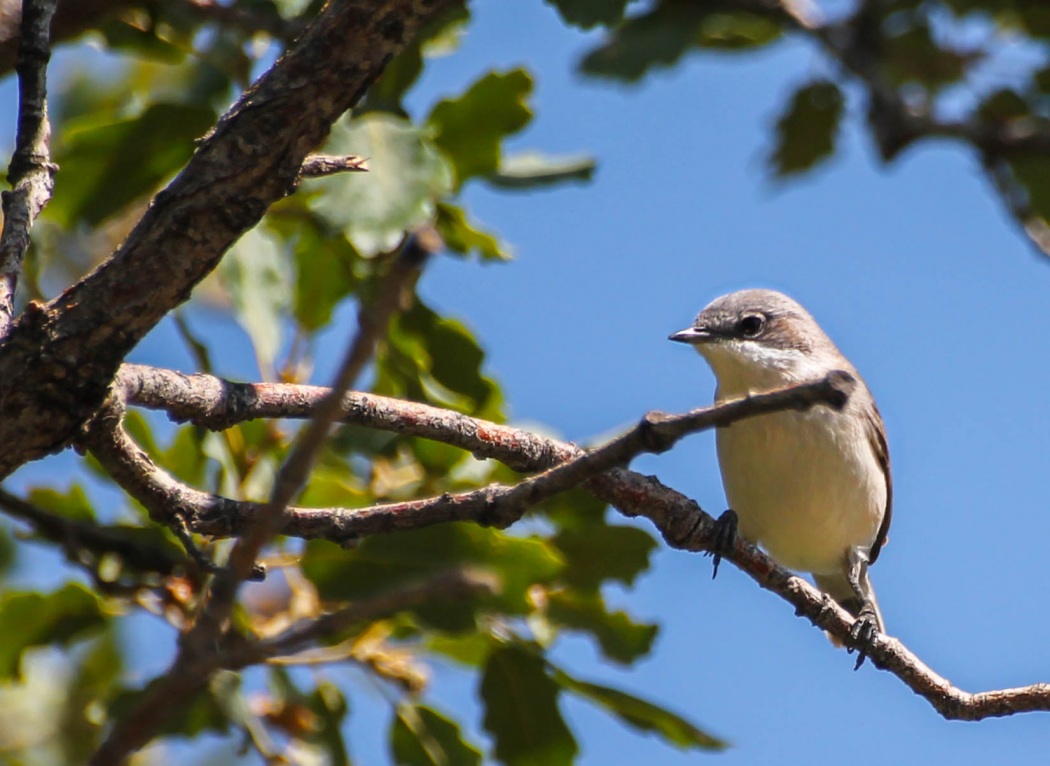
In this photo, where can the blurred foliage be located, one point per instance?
(124, 127)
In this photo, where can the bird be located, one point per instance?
(813, 488)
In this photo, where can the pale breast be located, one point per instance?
(806, 486)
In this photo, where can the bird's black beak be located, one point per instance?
(692, 335)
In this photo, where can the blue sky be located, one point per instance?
(915, 272)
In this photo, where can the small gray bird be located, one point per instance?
(813, 488)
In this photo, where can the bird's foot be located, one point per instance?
(723, 538)
(863, 632)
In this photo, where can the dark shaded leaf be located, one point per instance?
(470, 129)
(521, 710)
(421, 736)
(915, 56)
(807, 130)
(384, 562)
(36, 619)
(324, 276)
(1033, 173)
(620, 638)
(203, 712)
(660, 37)
(590, 13)
(642, 715)
(329, 703)
(598, 553)
(532, 170)
(107, 164)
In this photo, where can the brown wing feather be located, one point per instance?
(877, 437)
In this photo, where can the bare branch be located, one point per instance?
(31, 173)
(193, 666)
(680, 520)
(87, 543)
(456, 585)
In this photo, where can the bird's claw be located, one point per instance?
(723, 538)
(862, 634)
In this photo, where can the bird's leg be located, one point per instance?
(723, 538)
(865, 626)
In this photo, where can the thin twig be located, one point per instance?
(31, 173)
(320, 165)
(86, 543)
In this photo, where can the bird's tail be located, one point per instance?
(837, 586)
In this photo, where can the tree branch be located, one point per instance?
(59, 359)
(192, 668)
(681, 522)
(31, 173)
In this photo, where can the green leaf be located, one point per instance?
(145, 42)
(72, 504)
(405, 176)
(383, 562)
(1033, 173)
(329, 703)
(642, 715)
(421, 736)
(108, 164)
(660, 37)
(36, 619)
(598, 553)
(93, 677)
(257, 275)
(324, 266)
(914, 55)
(202, 712)
(806, 131)
(461, 236)
(621, 639)
(590, 13)
(521, 710)
(470, 129)
(530, 170)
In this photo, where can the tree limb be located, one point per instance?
(681, 522)
(31, 173)
(59, 359)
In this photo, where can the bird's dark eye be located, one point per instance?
(751, 325)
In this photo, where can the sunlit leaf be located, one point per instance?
(38, 619)
(521, 710)
(72, 504)
(421, 736)
(643, 715)
(257, 275)
(405, 176)
(530, 170)
(460, 235)
(470, 129)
